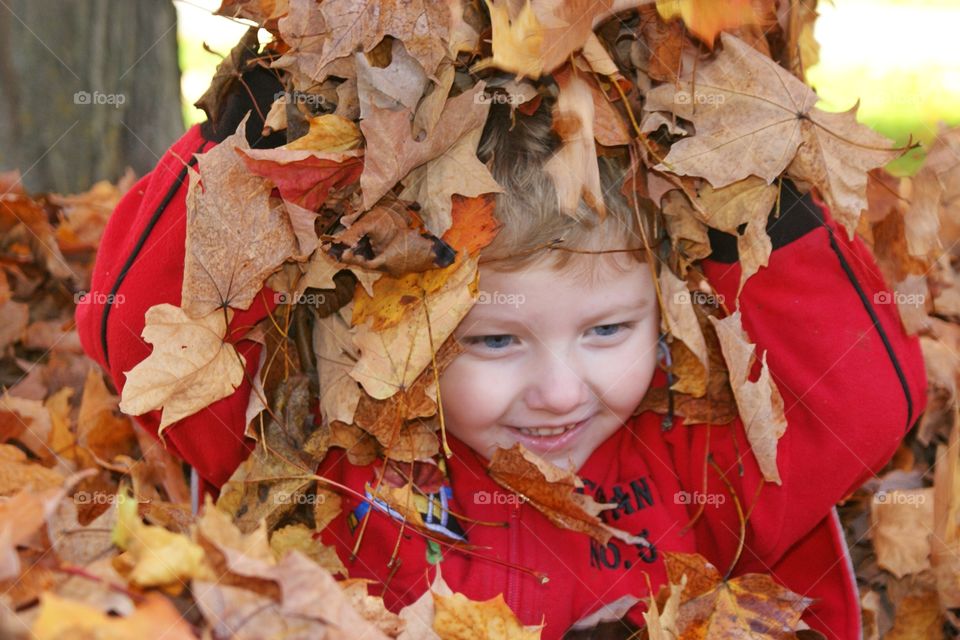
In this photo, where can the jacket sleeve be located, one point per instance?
(139, 264)
(852, 381)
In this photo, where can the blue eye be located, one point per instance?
(606, 330)
(491, 342)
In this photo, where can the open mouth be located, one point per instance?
(548, 431)
(545, 439)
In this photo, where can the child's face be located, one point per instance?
(545, 350)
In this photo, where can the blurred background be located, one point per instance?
(111, 83)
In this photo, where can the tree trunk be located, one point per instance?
(87, 88)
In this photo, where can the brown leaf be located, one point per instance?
(902, 521)
(398, 85)
(389, 238)
(422, 26)
(456, 171)
(391, 151)
(753, 117)
(749, 606)
(391, 358)
(574, 167)
(551, 490)
(236, 236)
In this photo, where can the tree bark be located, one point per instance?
(87, 88)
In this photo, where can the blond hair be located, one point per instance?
(516, 147)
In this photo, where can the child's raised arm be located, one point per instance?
(852, 381)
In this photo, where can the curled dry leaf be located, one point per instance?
(760, 402)
(191, 365)
(747, 606)
(902, 523)
(552, 491)
(457, 171)
(390, 238)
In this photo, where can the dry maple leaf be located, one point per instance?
(328, 133)
(553, 492)
(760, 402)
(391, 151)
(398, 85)
(236, 235)
(752, 117)
(750, 606)
(191, 365)
(356, 25)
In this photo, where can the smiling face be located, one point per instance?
(553, 361)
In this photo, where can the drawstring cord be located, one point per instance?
(664, 354)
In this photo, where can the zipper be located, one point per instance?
(513, 551)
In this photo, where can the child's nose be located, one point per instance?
(558, 388)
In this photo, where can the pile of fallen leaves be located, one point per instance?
(368, 224)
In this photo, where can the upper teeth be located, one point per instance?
(549, 431)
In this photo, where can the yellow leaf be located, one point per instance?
(328, 132)
(706, 18)
(159, 557)
(458, 618)
(61, 618)
(517, 44)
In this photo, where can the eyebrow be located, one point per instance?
(508, 321)
(619, 308)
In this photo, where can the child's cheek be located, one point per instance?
(472, 396)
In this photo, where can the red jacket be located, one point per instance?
(831, 347)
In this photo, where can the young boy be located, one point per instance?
(557, 359)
